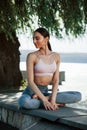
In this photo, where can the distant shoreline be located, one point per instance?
(65, 57)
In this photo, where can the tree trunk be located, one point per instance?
(10, 75)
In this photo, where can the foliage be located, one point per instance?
(58, 16)
(23, 84)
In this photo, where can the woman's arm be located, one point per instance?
(30, 74)
(55, 80)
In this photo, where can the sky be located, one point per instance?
(66, 45)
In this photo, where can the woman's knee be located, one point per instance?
(69, 97)
(23, 99)
(26, 102)
(75, 96)
(78, 96)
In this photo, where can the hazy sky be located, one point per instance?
(62, 45)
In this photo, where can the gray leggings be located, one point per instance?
(26, 100)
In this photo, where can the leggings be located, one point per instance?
(26, 100)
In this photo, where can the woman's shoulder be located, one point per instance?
(56, 56)
(32, 55)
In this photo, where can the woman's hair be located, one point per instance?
(45, 34)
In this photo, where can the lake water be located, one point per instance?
(65, 57)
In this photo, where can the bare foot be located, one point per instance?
(61, 105)
(35, 96)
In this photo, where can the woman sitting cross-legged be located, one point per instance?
(42, 68)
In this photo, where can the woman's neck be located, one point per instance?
(44, 51)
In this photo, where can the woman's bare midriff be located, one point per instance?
(43, 80)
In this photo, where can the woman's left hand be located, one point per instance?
(55, 105)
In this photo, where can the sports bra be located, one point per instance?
(44, 69)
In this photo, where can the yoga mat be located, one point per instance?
(62, 112)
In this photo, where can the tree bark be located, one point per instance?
(10, 75)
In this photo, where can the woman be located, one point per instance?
(43, 69)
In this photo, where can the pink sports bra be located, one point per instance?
(43, 69)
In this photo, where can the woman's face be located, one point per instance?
(38, 40)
